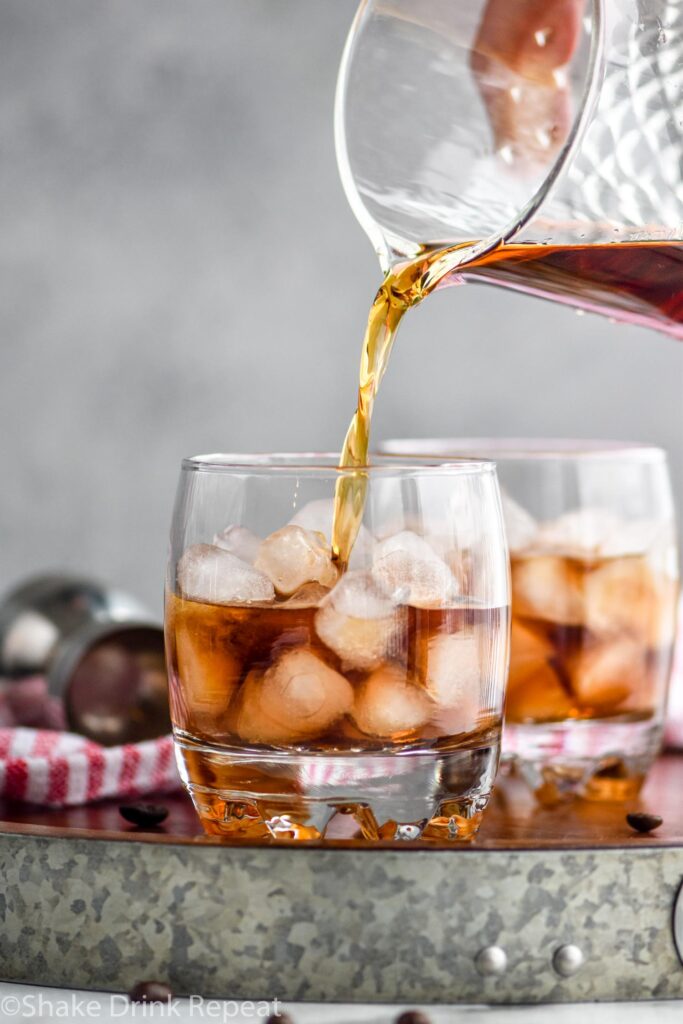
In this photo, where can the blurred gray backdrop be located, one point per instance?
(181, 274)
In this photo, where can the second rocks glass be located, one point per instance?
(310, 701)
(592, 540)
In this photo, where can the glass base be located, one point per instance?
(266, 795)
(593, 759)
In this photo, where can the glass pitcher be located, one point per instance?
(539, 143)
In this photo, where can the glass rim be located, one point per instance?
(501, 449)
(328, 462)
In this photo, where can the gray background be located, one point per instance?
(168, 200)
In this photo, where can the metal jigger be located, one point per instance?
(79, 655)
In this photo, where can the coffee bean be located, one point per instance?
(642, 822)
(144, 814)
(280, 1018)
(412, 1017)
(615, 769)
(150, 992)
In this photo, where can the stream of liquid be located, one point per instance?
(635, 282)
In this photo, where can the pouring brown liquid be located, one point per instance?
(633, 282)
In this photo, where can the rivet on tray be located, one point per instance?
(567, 960)
(491, 960)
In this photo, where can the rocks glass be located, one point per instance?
(592, 541)
(313, 701)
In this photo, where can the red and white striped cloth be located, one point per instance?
(60, 769)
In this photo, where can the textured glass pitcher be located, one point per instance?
(542, 137)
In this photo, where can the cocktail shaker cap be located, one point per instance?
(99, 650)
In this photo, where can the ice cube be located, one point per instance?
(248, 717)
(452, 667)
(209, 573)
(548, 588)
(535, 694)
(580, 533)
(605, 676)
(298, 698)
(209, 675)
(318, 516)
(592, 533)
(387, 705)
(408, 569)
(446, 534)
(442, 545)
(520, 525)
(529, 653)
(451, 670)
(461, 564)
(528, 645)
(438, 534)
(360, 623)
(637, 537)
(390, 526)
(239, 541)
(292, 556)
(626, 595)
(311, 595)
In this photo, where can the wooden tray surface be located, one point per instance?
(513, 821)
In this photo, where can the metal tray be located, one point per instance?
(548, 904)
